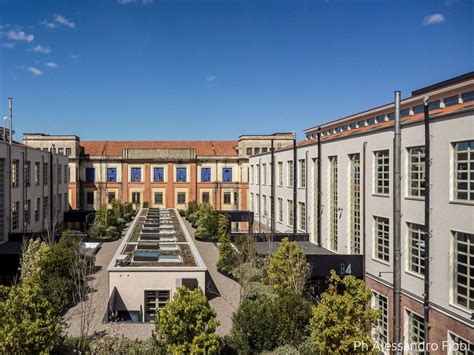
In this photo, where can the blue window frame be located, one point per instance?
(181, 175)
(205, 174)
(90, 174)
(136, 175)
(158, 174)
(227, 174)
(111, 174)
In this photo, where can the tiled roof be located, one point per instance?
(365, 129)
(203, 148)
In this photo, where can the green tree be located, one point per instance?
(288, 267)
(270, 321)
(206, 221)
(343, 316)
(187, 321)
(226, 262)
(29, 322)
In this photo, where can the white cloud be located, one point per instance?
(125, 2)
(64, 21)
(8, 45)
(51, 65)
(48, 24)
(19, 35)
(34, 71)
(210, 78)
(433, 19)
(40, 49)
(58, 20)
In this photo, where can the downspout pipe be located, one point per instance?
(295, 183)
(426, 296)
(319, 187)
(10, 115)
(364, 183)
(272, 177)
(259, 195)
(397, 227)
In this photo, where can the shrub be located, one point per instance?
(97, 231)
(145, 204)
(270, 321)
(226, 262)
(207, 221)
(183, 319)
(121, 221)
(112, 232)
(191, 208)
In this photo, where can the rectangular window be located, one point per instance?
(252, 176)
(302, 173)
(227, 198)
(264, 150)
(45, 206)
(236, 198)
(257, 176)
(280, 173)
(434, 105)
(459, 346)
(205, 174)
(68, 151)
(264, 174)
(249, 151)
(60, 173)
(15, 173)
(382, 239)
(181, 174)
(290, 212)
(37, 209)
(111, 196)
(264, 203)
(60, 150)
(467, 96)
(302, 216)
(418, 109)
(382, 171)
(15, 214)
(66, 203)
(154, 301)
(252, 203)
(90, 174)
(280, 210)
(136, 197)
(158, 198)
(416, 330)
(334, 209)
(416, 171)
(464, 171)
(60, 202)
(256, 151)
(66, 180)
(381, 329)
(28, 173)
(416, 248)
(451, 101)
(463, 274)
(45, 173)
(290, 173)
(355, 203)
(227, 174)
(205, 197)
(404, 113)
(181, 198)
(37, 173)
(27, 212)
(90, 197)
(111, 174)
(158, 174)
(136, 174)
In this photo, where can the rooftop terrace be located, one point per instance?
(156, 240)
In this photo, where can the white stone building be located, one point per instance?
(355, 213)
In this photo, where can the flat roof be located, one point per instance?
(157, 240)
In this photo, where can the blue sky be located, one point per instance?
(169, 70)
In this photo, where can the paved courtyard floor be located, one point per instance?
(223, 294)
